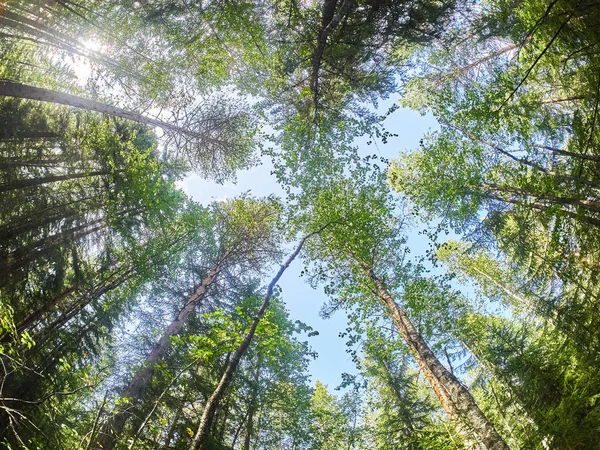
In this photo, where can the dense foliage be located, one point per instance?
(134, 317)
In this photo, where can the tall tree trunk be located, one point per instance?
(142, 378)
(30, 319)
(28, 253)
(561, 152)
(437, 374)
(106, 285)
(461, 70)
(252, 407)
(11, 134)
(591, 205)
(462, 429)
(32, 182)
(329, 22)
(175, 422)
(33, 317)
(200, 439)
(41, 221)
(12, 89)
(573, 215)
(559, 176)
(221, 429)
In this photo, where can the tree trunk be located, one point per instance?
(11, 89)
(9, 134)
(25, 255)
(591, 205)
(200, 439)
(38, 313)
(32, 182)
(140, 381)
(329, 22)
(524, 161)
(437, 374)
(558, 151)
(106, 285)
(174, 423)
(461, 70)
(462, 429)
(38, 223)
(252, 407)
(573, 215)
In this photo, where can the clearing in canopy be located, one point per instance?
(299, 225)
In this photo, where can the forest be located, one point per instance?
(134, 316)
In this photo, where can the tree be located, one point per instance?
(215, 140)
(244, 237)
(402, 410)
(200, 439)
(365, 240)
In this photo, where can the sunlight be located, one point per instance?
(81, 65)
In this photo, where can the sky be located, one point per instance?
(304, 302)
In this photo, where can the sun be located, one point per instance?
(81, 65)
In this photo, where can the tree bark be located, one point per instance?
(590, 205)
(200, 439)
(12, 89)
(25, 255)
(573, 215)
(558, 151)
(329, 22)
(252, 407)
(438, 376)
(32, 182)
(40, 312)
(461, 70)
(142, 378)
(8, 135)
(106, 285)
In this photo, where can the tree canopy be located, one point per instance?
(137, 313)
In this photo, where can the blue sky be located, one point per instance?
(304, 302)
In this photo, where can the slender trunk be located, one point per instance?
(249, 427)
(458, 393)
(497, 148)
(200, 439)
(18, 162)
(474, 64)
(399, 397)
(32, 182)
(520, 300)
(564, 99)
(54, 38)
(223, 426)
(40, 312)
(157, 402)
(23, 256)
(41, 221)
(142, 378)
(329, 22)
(573, 215)
(174, 423)
(252, 407)
(30, 319)
(591, 205)
(561, 152)
(9, 134)
(11, 89)
(99, 290)
(239, 429)
(30, 222)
